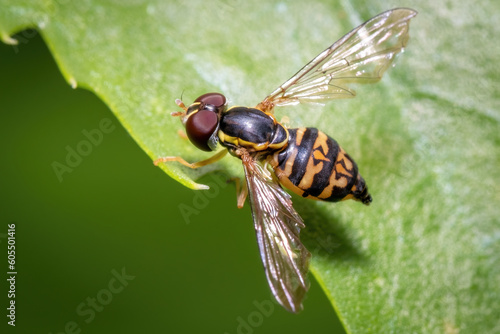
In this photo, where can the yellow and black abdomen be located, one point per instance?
(313, 165)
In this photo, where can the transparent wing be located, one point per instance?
(277, 225)
(361, 56)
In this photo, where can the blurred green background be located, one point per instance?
(74, 236)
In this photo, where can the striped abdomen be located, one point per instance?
(313, 165)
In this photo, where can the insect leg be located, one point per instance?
(182, 134)
(241, 192)
(193, 165)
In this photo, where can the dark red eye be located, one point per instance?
(201, 128)
(215, 99)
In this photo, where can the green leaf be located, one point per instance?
(422, 258)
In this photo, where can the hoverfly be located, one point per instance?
(304, 160)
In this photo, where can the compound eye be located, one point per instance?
(215, 99)
(201, 129)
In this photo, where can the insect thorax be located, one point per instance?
(252, 129)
